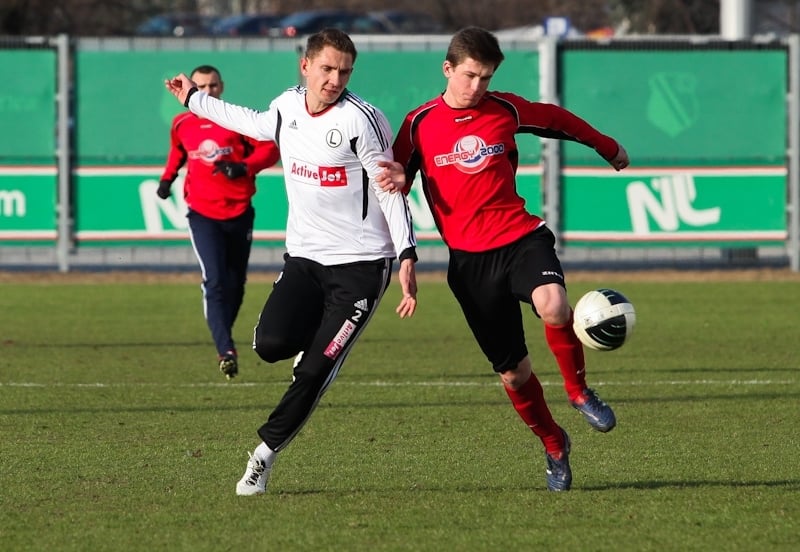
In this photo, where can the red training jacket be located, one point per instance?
(468, 158)
(198, 143)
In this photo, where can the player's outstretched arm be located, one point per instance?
(408, 283)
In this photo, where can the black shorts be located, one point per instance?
(310, 303)
(490, 286)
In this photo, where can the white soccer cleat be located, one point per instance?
(254, 480)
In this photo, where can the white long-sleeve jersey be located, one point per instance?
(337, 213)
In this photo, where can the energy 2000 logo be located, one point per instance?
(470, 154)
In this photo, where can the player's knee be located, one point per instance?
(551, 304)
(555, 313)
(273, 348)
(517, 377)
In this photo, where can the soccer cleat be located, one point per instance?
(229, 365)
(254, 480)
(559, 474)
(597, 413)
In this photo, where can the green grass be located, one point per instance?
(117, 431)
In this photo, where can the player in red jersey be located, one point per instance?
(221, 167)
(463, 145)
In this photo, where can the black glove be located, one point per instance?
(231, 169)
(163, 189)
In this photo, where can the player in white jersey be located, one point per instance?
(343, 231)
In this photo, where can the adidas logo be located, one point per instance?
(361, 304)
(293, 125)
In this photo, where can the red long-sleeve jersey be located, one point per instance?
(468, 158)
(199, 143)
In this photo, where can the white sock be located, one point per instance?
(265, 454)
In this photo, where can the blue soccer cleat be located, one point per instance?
(559, 474)
(597, 413)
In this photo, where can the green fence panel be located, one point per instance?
(687, 207)
(27, 205)
(680, 107)
(120, 205)
(706, 129)
(124, 112)
(529, 186)
(28, 107)
(376, 80)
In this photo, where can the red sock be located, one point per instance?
(529, 403)
(568, 351)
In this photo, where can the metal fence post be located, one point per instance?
(551, 151)
(793, 128)
(63, 155)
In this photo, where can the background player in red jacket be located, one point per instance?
(221, 166)
(463, 145)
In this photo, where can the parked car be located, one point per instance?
(310, 21)
(176, 24)
(246, 24)
(406, 22)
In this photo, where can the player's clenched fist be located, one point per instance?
(179, 86)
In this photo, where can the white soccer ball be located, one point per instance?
(604, 319)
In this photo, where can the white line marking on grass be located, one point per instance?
(100, 385)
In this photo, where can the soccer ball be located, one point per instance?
(604, 319)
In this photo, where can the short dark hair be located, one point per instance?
(205, 70)
(476, 43)
(336, 38)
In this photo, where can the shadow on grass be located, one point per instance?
(730, 372)
(165, 409)
(349, 405)
(788, 484)
(791, 485)
(95, 345)
(708, 397)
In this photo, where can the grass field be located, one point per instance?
(117, 432)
